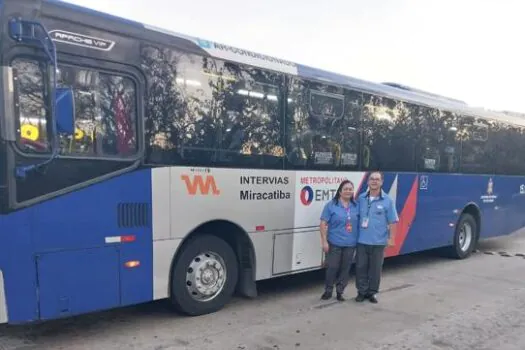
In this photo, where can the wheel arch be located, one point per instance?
(239, 241)
(454, 251)
(474, 210)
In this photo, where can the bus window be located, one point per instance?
(326, 105)
(476, 153)
(430, 157)
(438, 149)
(322, 130)
(210, 112)
(390, 134)
(105, 111)
(509, 143)
(31, 106)
(450, 145)
(349, 131)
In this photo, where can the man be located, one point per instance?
(377, 218)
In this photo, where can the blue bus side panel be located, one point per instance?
(82, 220)
(70, 228)
(434, 212)
(75, 282)
(18, 266)
(439, 195)
(441, 198)
(136, 284)
(512, 190)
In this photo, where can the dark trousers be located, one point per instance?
(369, 264)
(338, 263)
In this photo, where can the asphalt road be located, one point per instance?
(427, 302)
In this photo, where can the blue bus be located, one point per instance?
(138, 164)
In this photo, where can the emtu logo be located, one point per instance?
(201, 184)
(307, 195)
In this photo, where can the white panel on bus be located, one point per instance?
(263, 245)
(297, 251)
(314, 189)
(256, 200)
(3, 305)
(163, 253)
(161, 203)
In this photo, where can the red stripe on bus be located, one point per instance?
(408, 214)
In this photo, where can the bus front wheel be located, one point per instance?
(204, 277)
(465, 237)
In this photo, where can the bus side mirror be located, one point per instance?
(65, 111)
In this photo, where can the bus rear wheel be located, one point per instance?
(204, 277)
(465, 237)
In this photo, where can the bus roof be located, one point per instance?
(390, 90)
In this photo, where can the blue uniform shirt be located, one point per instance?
(380, 211)
(335, 214)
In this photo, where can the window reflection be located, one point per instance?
(476, 150)
(203, 111)
(323, 135)
(32, 112)
(212, 112)
(105, 111)
(390, 134)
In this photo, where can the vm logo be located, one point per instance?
(201, 185)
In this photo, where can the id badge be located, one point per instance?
(364, 224)
(349, 227)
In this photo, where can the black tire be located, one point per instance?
(459, 250)
(181, 297)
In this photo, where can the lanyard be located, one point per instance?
(369, 205)
(348, 212)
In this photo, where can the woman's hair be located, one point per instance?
(338, 193)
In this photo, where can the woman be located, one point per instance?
(339, 229)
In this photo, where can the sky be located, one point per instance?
(472, 50)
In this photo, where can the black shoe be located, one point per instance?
(372, 299)
(360, 298)
(340, 297)
(326, 295)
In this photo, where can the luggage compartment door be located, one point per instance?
(78, 281)
(297, 251)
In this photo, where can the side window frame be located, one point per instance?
(307, 130)
(137, 153)
(438, 141)
(46, 99)
(69, 173)
(381, 132)
(510, 141)
(472, 145)
(85, 63)
(229, 114)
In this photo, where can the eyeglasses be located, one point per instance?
(375, 179)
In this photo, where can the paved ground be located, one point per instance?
(428, 302)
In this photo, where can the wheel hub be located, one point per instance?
(465, 236)
(206, 276)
